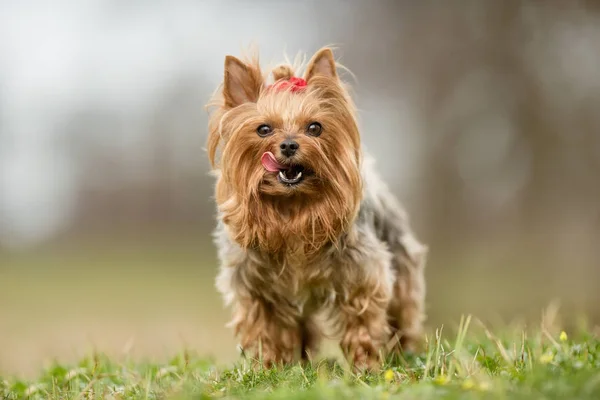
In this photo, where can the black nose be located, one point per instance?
(288, 147)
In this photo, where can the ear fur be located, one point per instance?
(322, 63)
(242, 82)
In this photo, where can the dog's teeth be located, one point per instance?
(285, 179)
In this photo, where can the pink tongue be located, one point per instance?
(270, 163)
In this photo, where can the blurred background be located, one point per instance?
(484, 117)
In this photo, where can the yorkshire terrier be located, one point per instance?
(309, 237)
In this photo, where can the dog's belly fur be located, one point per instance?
(377, 261)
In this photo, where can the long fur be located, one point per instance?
(338, 244)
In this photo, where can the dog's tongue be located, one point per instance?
(270, 163)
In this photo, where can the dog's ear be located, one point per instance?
(242, 83)
(323, 64)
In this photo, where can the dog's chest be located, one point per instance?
(307, 279)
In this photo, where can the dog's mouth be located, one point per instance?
(292, 175)
(288, 174)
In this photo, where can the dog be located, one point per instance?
(311, 241)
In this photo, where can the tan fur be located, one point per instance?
(282, 71)
(337, 243)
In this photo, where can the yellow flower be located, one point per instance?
(563, 336)
(388, 375)
(546, 358)
(441, 380)
(468, 384)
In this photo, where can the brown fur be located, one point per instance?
(289, 253)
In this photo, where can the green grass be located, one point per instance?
(472, 362)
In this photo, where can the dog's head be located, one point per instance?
(288, 153)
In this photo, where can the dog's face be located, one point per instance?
(292, 148)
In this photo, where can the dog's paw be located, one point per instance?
(274, 350)
(272, 358)
(361, 349)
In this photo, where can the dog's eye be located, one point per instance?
(314, 129)
(264, 130)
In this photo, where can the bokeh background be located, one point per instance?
(484, 117)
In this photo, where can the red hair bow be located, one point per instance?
(293, 84)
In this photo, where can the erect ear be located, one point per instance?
(242, 83)
(322, 63)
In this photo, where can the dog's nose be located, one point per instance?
(288, 147)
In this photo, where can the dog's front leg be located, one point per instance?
(365, 329)
(363, 295)
(265, 318)
(269, 331)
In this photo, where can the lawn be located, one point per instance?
(471, 362)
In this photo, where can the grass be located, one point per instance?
(472, 362)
